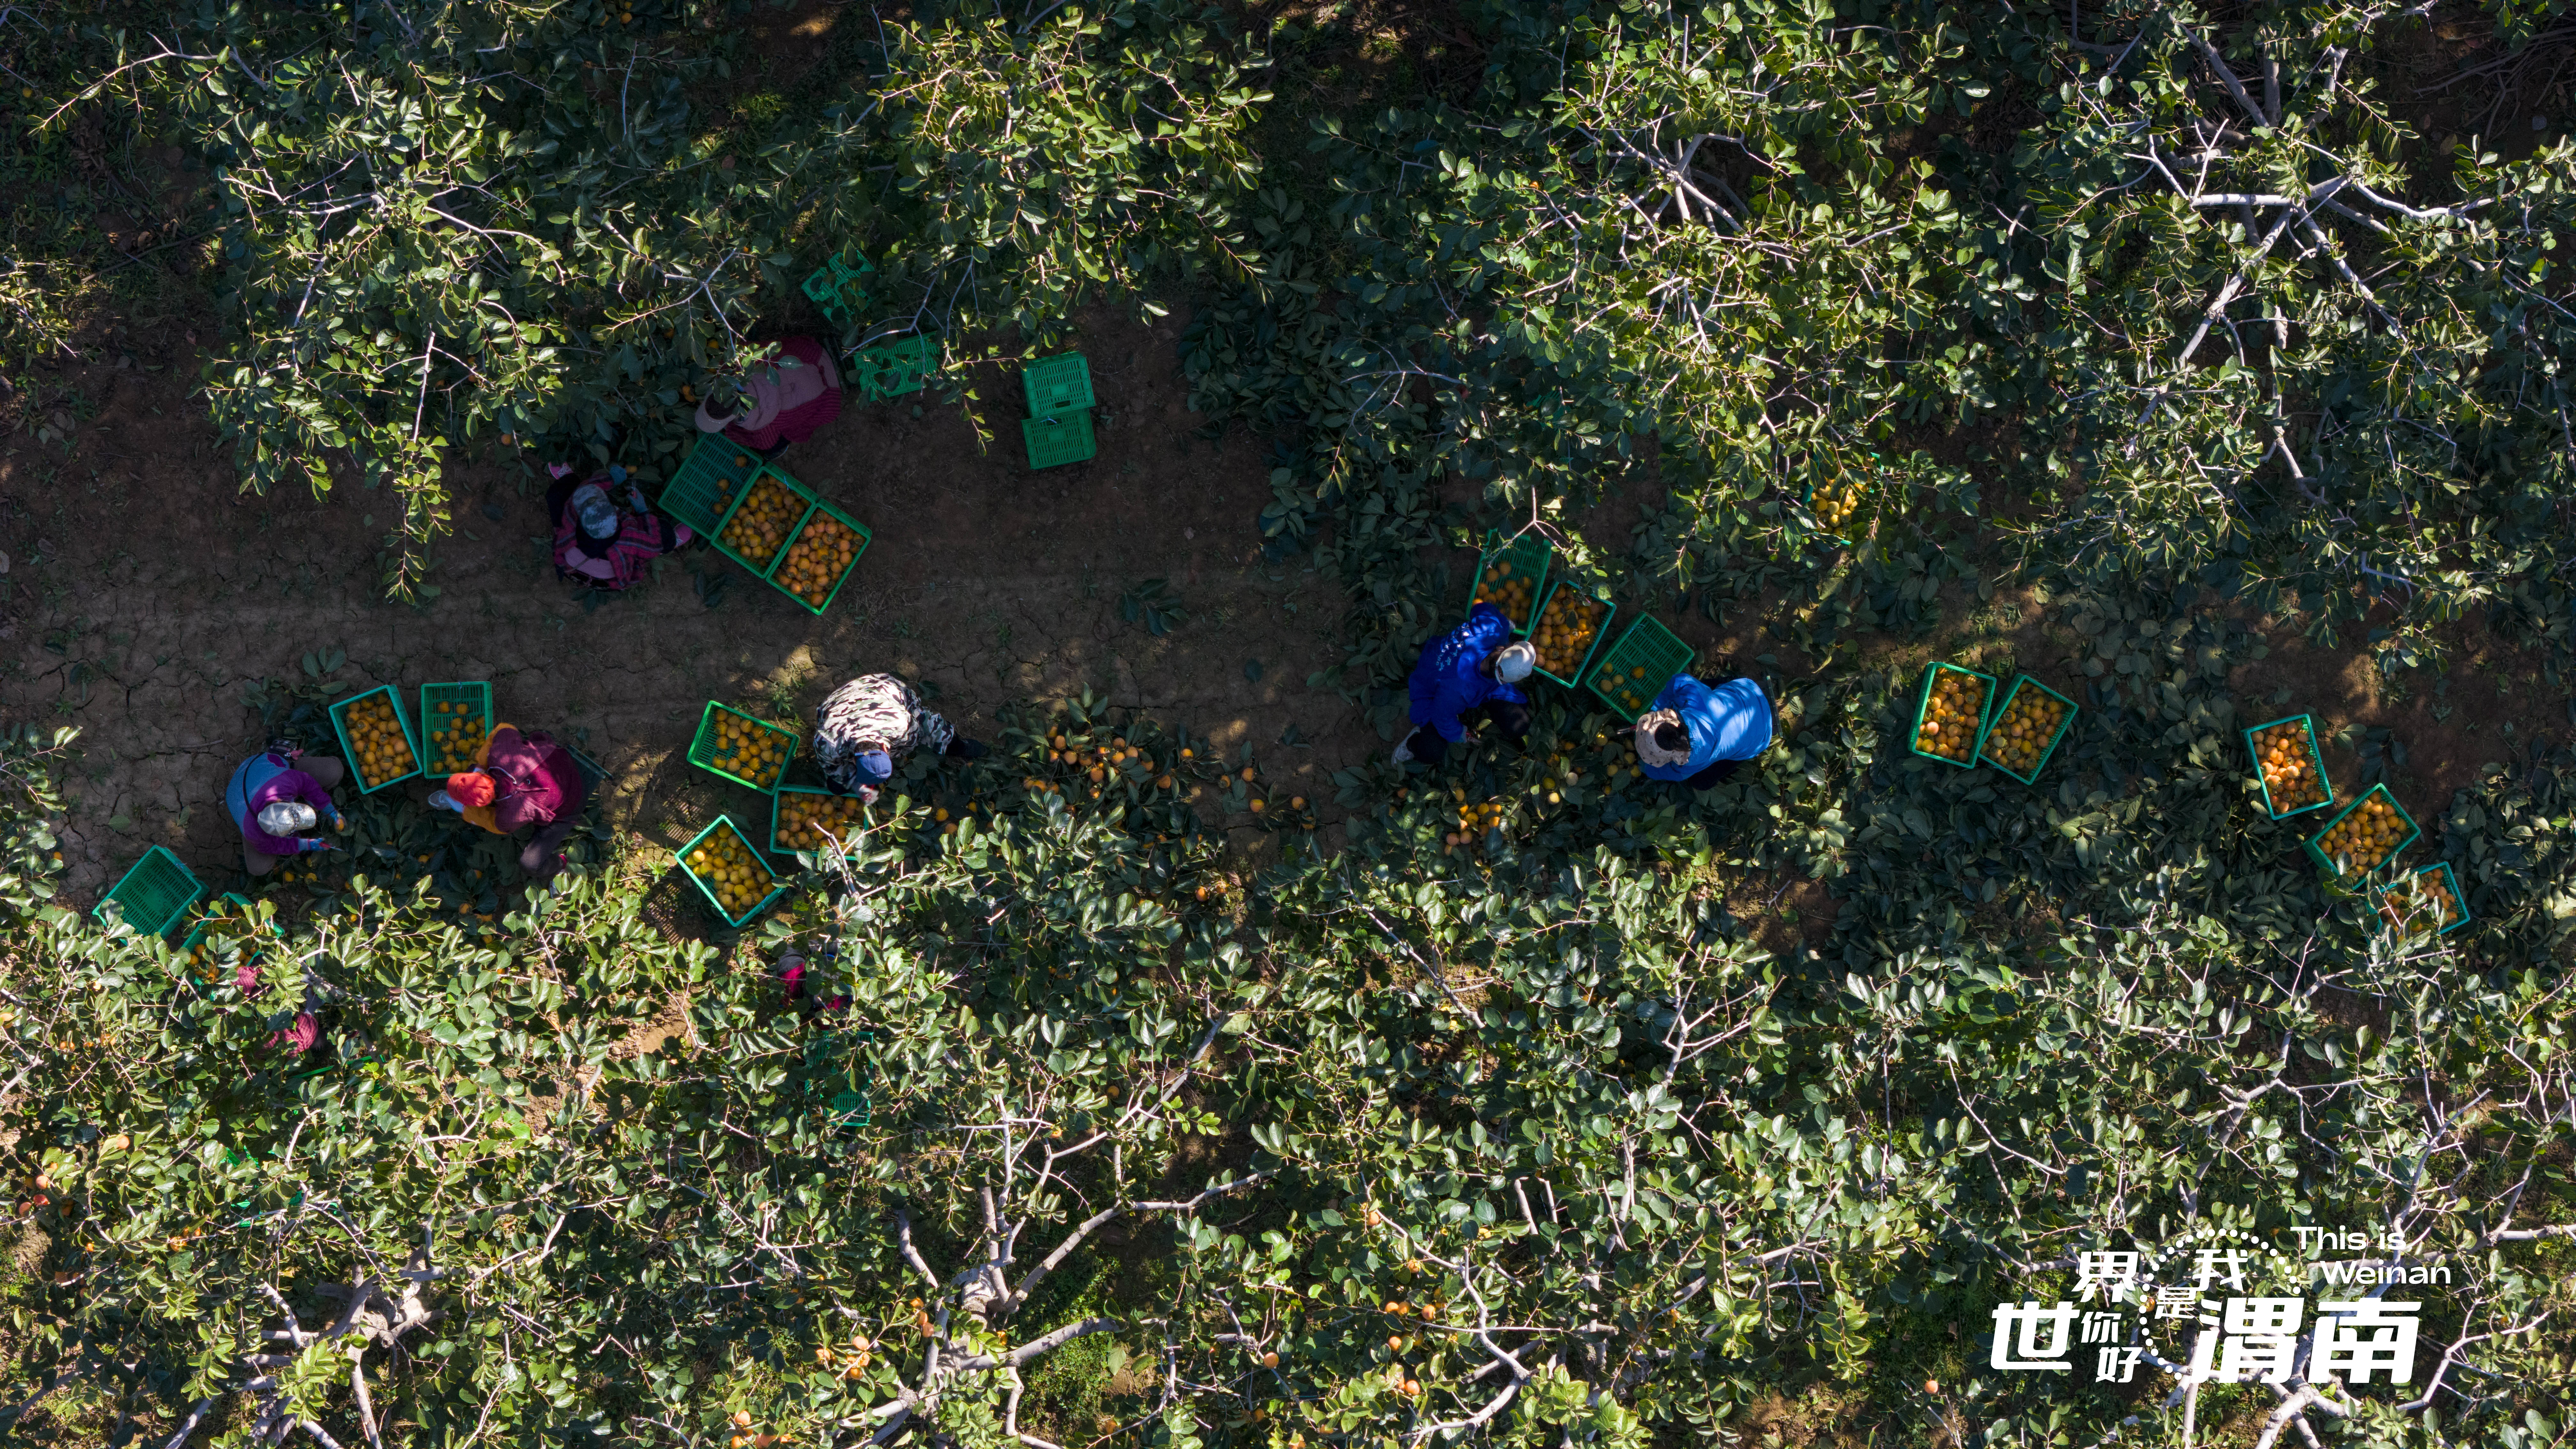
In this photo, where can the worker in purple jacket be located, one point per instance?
(1475, 666)
(276, 797)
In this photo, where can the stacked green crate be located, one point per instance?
(1058, 430)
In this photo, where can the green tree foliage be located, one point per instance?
(518, 220)
(1483, 1126)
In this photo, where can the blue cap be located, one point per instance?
(874, 765)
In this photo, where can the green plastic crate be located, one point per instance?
(2308, 728)
(839, 289)
(1647, 645)
(2449, 877)
(705, 753)
(865, 538)
(703, 491)
(892, 369)
(780, 847)
(1600, 634)
(1530, 557)
(1923, 703)
(475, 695)
(153, 895)
(349, 756)
(1059, 439)
(2072, 710)
(714, 903)
(205, 921)
(743, 495)
(2413, 833)
(838, 1076)
(1058, 385)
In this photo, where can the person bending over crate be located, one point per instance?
(864, 730)
(276, 796)
(521, 781)
(601, 544)
(777, 401)
(1698, 732)
(1475, 666)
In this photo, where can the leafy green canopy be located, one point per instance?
(1525, 1142)
(2091, 295)
(1639, 1173)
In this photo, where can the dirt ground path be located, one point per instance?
(143, 594)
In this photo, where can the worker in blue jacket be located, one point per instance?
(1697, 733)
(1474, 666)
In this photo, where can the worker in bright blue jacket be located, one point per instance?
(1698, 733)
(1474, 666)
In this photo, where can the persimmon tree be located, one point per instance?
(443, 226)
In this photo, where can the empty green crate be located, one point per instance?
(839, 289)
(1057, 385)
(804, 496)
(2064, 724)
(892, 369)
(777, 802)
(2390, 908)
(838, 1077)
(709, 755)
(715, 902)
(865, 538)
(1923, 704)
(1637, 667)
(1572, 678)
(703, 491)
(1060, 439)
(153, 896)
(1504, 565)
(476, 696)
(2308, 732)
(349, 754)
(2326, 863)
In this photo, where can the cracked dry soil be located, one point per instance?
(145, 592)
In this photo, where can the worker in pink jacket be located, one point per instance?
(779, 401)
(523, 781)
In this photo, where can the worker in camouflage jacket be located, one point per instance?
(864, 730)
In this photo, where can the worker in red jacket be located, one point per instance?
(778, 401)
(521, 781)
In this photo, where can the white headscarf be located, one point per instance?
(1651, 753)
